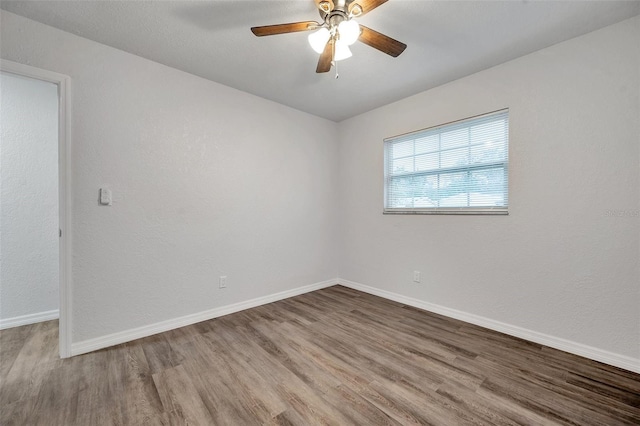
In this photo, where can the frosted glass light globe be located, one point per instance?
(349, 31)
(342, 51)
(319, 39)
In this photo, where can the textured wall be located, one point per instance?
(28, 196)
(206, 181)
(560, 263)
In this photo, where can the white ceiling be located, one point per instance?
(446, 40)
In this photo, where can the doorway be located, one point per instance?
(33, 198)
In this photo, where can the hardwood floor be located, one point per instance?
(335, 356)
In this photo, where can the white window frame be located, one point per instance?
(488, 210)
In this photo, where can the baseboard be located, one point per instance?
(91, 345)
(610, 358)
(29, 319)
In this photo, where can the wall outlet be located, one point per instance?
(416, 276)
(223, 281)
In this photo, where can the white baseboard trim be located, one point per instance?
(29, 319)
(90, 345)
(616, 360)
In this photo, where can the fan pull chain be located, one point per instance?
(335, 63)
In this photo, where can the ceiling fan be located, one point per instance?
(338, 31)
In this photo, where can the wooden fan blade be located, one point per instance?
(381, 42)
(331, 5)
(324, 63)
(294, 27)
(366, 5)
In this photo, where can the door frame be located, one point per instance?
(64, 189)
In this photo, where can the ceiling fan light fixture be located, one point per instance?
(342, 51)
(349, 31)
(318, 40)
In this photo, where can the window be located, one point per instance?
(455, 168)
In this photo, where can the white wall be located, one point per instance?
(558, 264)
(206, 180)
(28, 199)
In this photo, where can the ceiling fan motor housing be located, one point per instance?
(334, 18)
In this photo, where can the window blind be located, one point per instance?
(460, 167)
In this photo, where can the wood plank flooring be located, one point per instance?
(334, 356)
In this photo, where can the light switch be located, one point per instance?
(105, 196)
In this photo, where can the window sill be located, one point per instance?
(491, 212)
